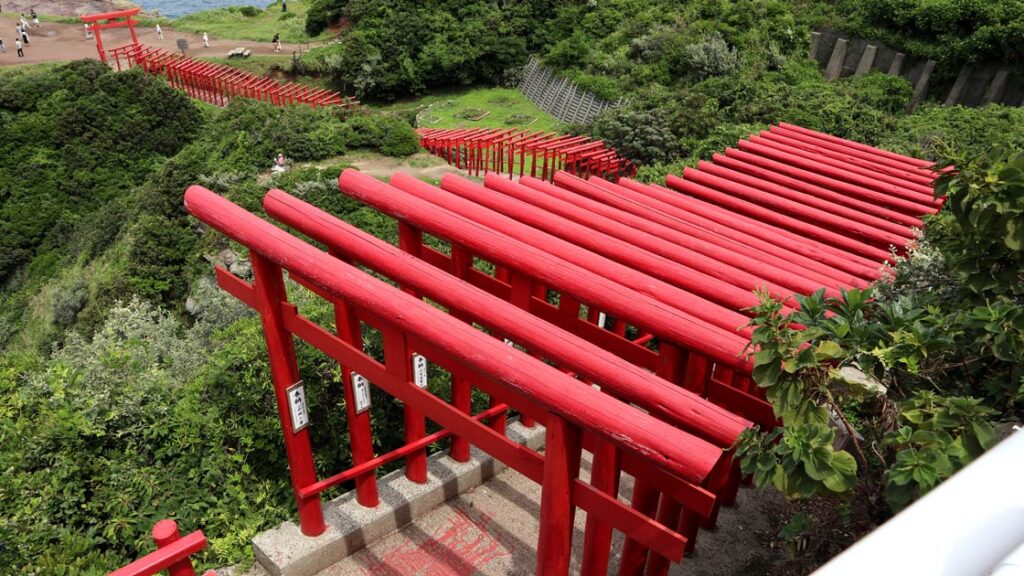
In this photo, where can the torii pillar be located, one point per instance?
(109, 20)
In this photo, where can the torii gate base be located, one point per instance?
(110, 20)
(283, 550)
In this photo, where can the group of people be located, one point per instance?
(21, 34)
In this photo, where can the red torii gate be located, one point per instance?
(680, 445)
(486, 150)
(120, 19)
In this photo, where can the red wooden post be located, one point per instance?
(522, 291)
(360, 435)
(668, 515)
(396, 354)
(634, 554)
(99, 42)
(562, 446)
(670, 367)
(131, 30)
(462, 394)
(270, 294)
(409, 240)
(597, 536)
(165, 533)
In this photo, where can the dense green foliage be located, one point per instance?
(72, 142)
(923, 367)
(953, 32)
(394, 49)
(119, 407)
(985, 239)
(322, 14)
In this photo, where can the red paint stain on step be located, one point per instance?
(463, 547)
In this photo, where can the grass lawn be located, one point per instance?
(477, 108)
(231, 24)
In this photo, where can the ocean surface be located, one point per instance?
(179, 8)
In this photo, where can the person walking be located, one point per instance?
(3, 48)
(206, 39)
(284, 5)
(23, 32)
(88, 32)
(159, 32)
(35, 19)
(17, 44)
(276, 42)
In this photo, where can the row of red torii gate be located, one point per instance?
(627, 304)
(479, 150)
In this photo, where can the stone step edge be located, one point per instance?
(285, 551)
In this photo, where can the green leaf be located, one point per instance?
(845, 477)
(767, 375)
(818, 463)
(828, 350)
(1014, 238)
(985, 434)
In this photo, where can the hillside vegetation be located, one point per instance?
(133, 389)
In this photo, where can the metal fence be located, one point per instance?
(559, 96)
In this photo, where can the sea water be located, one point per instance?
(179, 8)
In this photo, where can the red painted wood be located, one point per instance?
(768, 170)
(831, 219)
(510, 370)
(900, 162)
(562, 445)
(681, 233)
(729, 201)
(552, 270)
(904, 173)
(757, 239)
(526, 461)
(625, 379)
(730, 266)
(597, 535)
(348, 329)
(484, 150)
(680, 203)
(270, 294)
(855, 145)
(172, 553)
(919, 199)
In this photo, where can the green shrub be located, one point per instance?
(159, 249)
(932, 130)
(953, 32)
(656, 127)
(323, 14)
(984, 242)
(712, 56)
(891, 94)
(92, 140)
(249, 11)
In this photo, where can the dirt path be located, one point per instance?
(64, 7)
(53, 42)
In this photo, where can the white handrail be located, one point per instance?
(967, 526)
